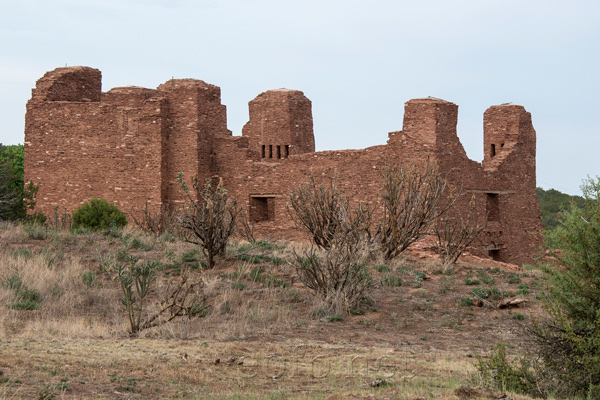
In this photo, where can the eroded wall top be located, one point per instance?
(69, 84)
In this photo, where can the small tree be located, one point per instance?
(569, 340)
(210, 219)
(98, 214)
(412, 200)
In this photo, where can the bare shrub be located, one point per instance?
(210, 220)
(245, 229)
(455, 233)
(155, 222)
(412, 200)
(337, 276)
(335, 271)
(324, 213)
(181, 298)
(60, 221)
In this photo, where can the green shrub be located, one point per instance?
(500, 374)
(466, 302)
(98, 214)
(513, 279)
(523, 289)
(335, 318)
(486, 278)
(37, 232)
(357, 311)
(391, 280)
(382, 268)
(24, 298)
(89, 279)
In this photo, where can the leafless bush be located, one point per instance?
(180, 299)
(335, 271)
(412, 200)
(155, 222)
(60, 221)
(245, 229)
(337, 276)
(455, 233)
(210, 220)
(324, 213)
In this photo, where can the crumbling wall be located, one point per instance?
(129, 144)
(78, 149)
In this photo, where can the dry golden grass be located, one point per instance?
(76, 345)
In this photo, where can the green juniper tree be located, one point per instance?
(569, 341)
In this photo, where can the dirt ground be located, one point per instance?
(417, 338)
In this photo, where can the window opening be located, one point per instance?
(492, 207)
(270, 151)
(278, 152)
(494, 254)
(286, 151)
(262, 209)
(263, 151)
(493, 149)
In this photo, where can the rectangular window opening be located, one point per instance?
(494, 254)
(262, 209)
(263, 151)
(278, 152)
(270, 151)
(492, 207)
(286, 151)
(493, 149)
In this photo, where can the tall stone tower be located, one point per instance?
(280, 125)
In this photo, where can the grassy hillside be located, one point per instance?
(64, 330)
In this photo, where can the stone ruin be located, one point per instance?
(128, 145)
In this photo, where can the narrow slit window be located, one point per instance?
(493, 149)
(270, 151)
(278, 152)
(286, 151)
(263, 151)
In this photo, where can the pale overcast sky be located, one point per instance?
(358, 62)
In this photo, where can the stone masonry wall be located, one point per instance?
(129, 144)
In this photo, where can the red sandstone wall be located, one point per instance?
(196, 117)
(76, 150)
(129, 144)
(280, 125)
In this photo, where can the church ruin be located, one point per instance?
(128, 145)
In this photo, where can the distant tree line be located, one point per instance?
(553, 204)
